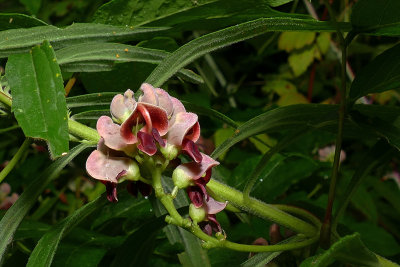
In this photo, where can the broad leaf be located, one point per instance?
(377, 17)
(13, 217)
(15, 20)
(348, 249)
(381, 74)
(21, 40)
(45, 249)
(216, 40)
(38, 97)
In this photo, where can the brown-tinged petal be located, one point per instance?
(213, 207)
(106, 168)
(149, 94)
(164, 101)
(111, 133)
(197, 170)
(157, 137)
(122, 106)
(144, 189)
(155, 117)
(182, 126)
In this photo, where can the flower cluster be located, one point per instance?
(155, 128)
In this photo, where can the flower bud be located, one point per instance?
(197, 214)
(169, 151)
(181, 178)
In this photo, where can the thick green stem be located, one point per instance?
(15, 159)
(80, 130)
(263, 210)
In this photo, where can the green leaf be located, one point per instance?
(45, 249)
(38, 97)
(309, 115)
(186, 15)
(194, 254)
(136, 12)
(21, 40)
(108, 53)
(139, 246)
(381, 74)
(377, 17)
(300, 61)
(348, 249)
(90, 115)
(71, 254)
(216, 40)
(100, 100)
(15, 20)
(18, 211)
(263, 258)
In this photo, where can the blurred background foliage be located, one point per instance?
(241, 81)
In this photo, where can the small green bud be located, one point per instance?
(181, 179)
(169, 151)
(197, 214)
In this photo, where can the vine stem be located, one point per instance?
(15, 159)
(325, 238)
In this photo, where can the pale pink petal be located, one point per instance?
(111, 134)
(105, 168)
(182, 126)
(178, 107)
(164, 101)
(149, 94)
(197, 170)
(213, 207)
(123, 105)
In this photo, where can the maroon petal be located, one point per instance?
(195, 195)
(147, 143)
(144, 188)
(155, 117)
(149, 94)
(132, 189)
(206, 228)
(214, 223)
(157, 137)
(126, 128)
(111, 189)
(191, 149)
(202, 186)
(122, 106)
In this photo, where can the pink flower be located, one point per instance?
(205, 214)
(7, 201)
(154, 124)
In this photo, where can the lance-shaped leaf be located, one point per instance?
(15, 20)
(377, 17)
(20, 40)
(38, 96)
(381, 74)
